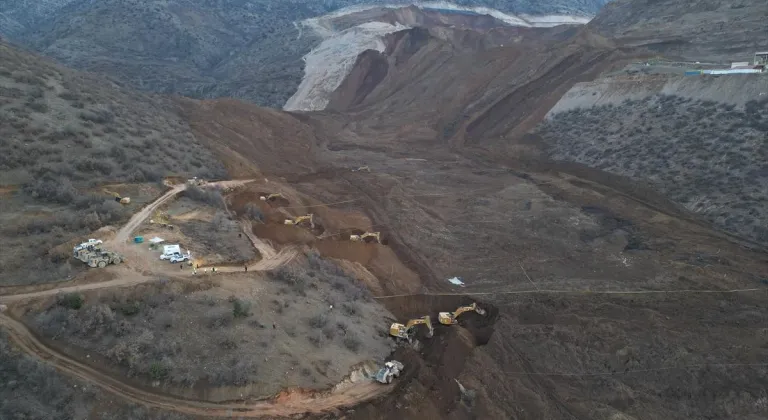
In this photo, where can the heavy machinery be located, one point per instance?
(407, 331)
(308, 218)
(362, 169)
(449, 318)
(118, 198)
(96, 257)
(196, 181)
(271, 197)
(363, 237)
(390, 370)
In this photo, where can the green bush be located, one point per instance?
(71, 300)
(241, 308)
(158, 371)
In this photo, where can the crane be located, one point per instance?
(449, 318)
(406, 331)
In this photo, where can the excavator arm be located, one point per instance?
(450, 318)
(426, 320)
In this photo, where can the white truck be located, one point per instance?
(169, 251)
(87, 244)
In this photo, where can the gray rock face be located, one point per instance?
(248, 49)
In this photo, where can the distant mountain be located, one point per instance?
(248, 49)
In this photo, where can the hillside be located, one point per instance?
(580, 204)
(204, 49)
(704, 30)
(65, 135)
(700, 141)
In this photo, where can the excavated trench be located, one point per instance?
(433, 364)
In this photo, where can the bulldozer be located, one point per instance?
(271, 197)
(118, 198)
(308, 218)
(363, 237)
(449, 318)
(390, 370)
(96, 257)
(407, 331)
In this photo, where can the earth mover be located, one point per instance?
(366, 235)
(390, 370)
(271, 197)
(449, 318)
(308, 218)
(98, 258)
(408, 330)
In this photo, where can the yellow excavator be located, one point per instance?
(308, 218)
(449, 318)
(118, 198)
(363, 237)
(271, 197)
(407, 331)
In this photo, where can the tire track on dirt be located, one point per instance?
(293, 403)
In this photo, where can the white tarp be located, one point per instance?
(156, 240)
(457, 281)
(171, 249)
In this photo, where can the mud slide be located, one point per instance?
(288, 405)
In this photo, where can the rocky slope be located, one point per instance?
(250, 50)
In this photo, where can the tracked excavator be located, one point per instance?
(363, 237)
(271, 197)
(308, 218)
(407, 331)
(449, 318)
(118, 198)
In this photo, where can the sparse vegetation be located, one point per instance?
(57, 147)
(709, 157)
(181, 333)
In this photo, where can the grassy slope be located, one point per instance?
(64, 133)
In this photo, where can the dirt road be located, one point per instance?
(137, 219)
(294, 404)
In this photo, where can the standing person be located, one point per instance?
(246, 268)
(181, 266)
(213, 269)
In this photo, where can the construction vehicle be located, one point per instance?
(118, 198)
(308, 218)
(98, 258)
(449, 318)
(362, 169)
(390, 370)
(363, 237)
(271, 197)
(407, 331)
(196, 181)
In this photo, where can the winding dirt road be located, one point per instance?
(293, 403)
